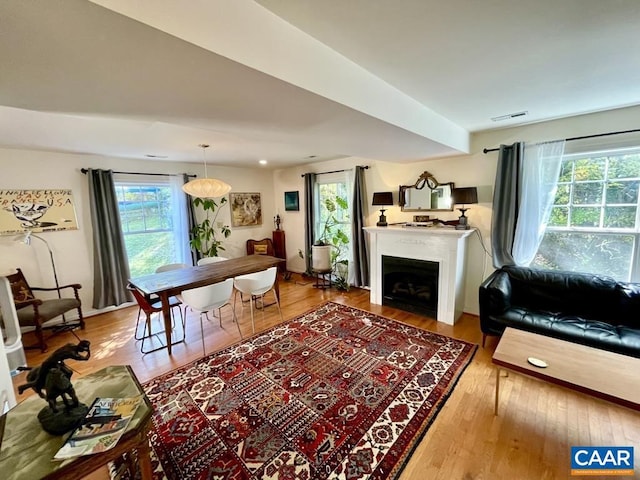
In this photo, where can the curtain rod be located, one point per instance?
(487, 150)
(85, 170)
(366, 167)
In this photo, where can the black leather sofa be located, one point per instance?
(589, 309)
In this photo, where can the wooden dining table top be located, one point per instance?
(173, 282)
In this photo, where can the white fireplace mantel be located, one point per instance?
(444, 245)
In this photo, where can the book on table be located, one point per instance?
(101, 428)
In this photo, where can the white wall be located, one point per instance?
(476, 169)
(24, 169)
(73, 251)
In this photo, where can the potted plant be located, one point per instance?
(207, 234)
(326, 252)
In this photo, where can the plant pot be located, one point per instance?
(321, 257)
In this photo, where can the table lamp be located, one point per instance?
(464, 196)
(382, 199)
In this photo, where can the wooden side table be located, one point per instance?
(280, 248)
(26, 450)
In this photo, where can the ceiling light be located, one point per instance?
(262, 162)
(206, 187)
(151, 155)
(509, 116)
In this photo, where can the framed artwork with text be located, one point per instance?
(37, 211)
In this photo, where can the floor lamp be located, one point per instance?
(27, 241)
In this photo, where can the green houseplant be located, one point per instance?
(328, 248)
(208, 234)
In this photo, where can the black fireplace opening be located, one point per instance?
(410, 285)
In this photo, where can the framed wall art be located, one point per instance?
(246, 209)
(36, 211)
(291, 201)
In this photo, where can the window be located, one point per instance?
(150, 225)
(594, 224)
(329, 188)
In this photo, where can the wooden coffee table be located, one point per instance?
(26, 450)
(602, 374)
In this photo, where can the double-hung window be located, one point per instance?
(153, 219)
(595, 220)
(328, 188)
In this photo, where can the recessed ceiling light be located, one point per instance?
(262, 162)
(509, 116)
(150, 155)
(311, 156)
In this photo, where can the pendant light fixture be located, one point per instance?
(206, 187)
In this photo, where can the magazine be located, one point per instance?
(101, 428)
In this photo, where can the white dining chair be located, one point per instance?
(208, 260)
(208, 298)
(257, 285)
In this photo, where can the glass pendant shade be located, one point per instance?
(206, 187)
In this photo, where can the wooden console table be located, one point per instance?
(26, 449)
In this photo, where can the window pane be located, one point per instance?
(607, 254)
(147, 251)
(623, 192)
(559, 217)
(585, 217)
(589, 169)
(146, 217)
(566, 171)
(562, 194)
(619, 217)
(625, 166)
(587, 193)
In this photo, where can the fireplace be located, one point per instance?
(410, 285)
(438, 250)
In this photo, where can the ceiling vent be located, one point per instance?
(509, 116)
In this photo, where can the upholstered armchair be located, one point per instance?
(35, 312)
(260, 247)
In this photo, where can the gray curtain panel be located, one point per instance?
(110, 265)
(505, 203)
(309, 185)
(191, 221)
(360, 253)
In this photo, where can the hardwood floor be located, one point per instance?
(530, 439)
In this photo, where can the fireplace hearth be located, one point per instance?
(410, 285)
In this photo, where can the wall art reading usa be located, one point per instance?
(36, 211)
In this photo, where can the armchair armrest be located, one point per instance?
(33, 302)
(75, 286)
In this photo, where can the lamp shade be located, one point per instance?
(206, 188)
(382, 198)
(464, 196)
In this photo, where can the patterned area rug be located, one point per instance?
(336, 393)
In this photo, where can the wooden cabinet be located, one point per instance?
(280, 249)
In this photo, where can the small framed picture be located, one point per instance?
(291, 201)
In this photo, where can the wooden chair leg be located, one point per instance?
(80, 318)
(484, 338)
(40, 336)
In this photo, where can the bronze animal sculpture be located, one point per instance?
(52, 379)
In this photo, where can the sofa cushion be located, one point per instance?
(582, 295)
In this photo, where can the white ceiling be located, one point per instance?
(285, 80)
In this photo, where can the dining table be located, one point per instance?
(173, 282)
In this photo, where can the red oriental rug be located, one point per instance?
(335, 393)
